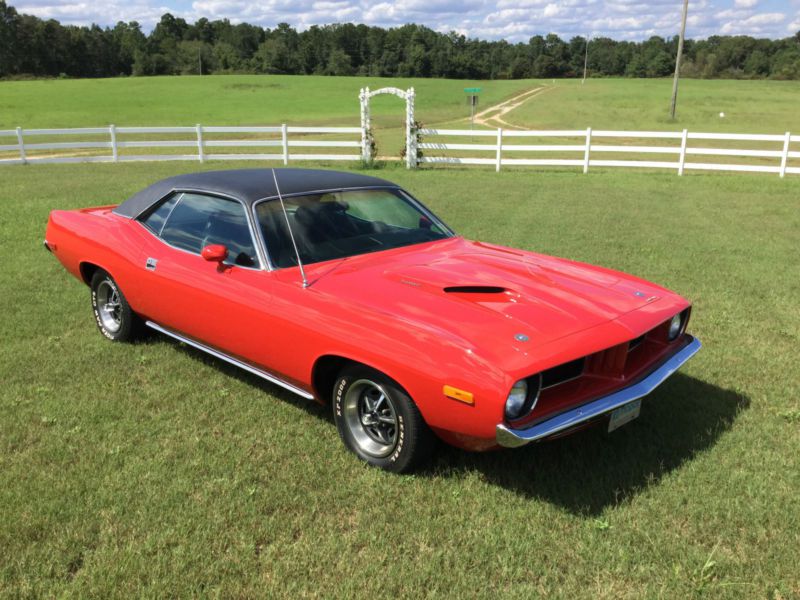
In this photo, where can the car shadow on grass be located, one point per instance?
(279, 393)
(585, 472)
(592, 469)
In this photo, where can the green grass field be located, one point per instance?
(226, 100)
(643, 104)
(151, 470)
(749, 106)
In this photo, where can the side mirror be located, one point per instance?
(214, 253)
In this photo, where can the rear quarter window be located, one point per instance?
(155, 219)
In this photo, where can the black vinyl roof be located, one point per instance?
(248, 185)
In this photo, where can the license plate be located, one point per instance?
(624, 414)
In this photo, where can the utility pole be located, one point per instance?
(585, 60)
(678, 61)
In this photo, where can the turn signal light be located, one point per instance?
(457, 394)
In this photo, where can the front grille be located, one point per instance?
(563, 373)
(635, 343)
(599, 373)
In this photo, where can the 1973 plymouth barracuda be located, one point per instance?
(344, 288)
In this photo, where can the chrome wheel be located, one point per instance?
(371, 417)
(378, 421)
(109, 306)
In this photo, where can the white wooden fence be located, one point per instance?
(197, 138)
(772, 154)
(590, 144)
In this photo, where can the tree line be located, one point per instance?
(30, 46)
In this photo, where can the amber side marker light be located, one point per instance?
(457, 394)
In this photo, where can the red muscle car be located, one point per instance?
(344, 288)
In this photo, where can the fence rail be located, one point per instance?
(197, 139)
(587, 149)
(573, 148)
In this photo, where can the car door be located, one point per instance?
(218, 304)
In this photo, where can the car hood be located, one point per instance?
(482, 292)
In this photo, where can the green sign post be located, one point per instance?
(472, 98)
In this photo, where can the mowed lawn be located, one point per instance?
(152, 470)
(231, 100)
(749, 106)
(768, 107)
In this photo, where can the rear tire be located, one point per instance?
(379, 422)
(112, 313)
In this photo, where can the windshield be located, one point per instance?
(333, 225)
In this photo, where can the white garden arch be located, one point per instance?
(366, 131)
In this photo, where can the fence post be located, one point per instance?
(200, 155)
(785, 155)
(363, 98)
(112, 131)
(411, 130)
(285, 143)
(588, 149)
(21, 144)
(682, 160)
(499, 149)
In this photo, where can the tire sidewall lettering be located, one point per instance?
(401, 435)
(338, 402)
(96, 312)
(339, 397)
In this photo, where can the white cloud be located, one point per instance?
(756, 25)
(515, 20)
(553, 10)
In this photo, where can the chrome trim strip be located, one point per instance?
(261, 242)
(328, 191)
(231, 360)
(169, 214)
(427, 212)
(513, 438)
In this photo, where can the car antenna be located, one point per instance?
(289, 227)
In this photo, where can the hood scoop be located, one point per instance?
(485, 295)
(474, 289)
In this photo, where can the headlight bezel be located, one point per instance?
(533, 388)
(682, 318)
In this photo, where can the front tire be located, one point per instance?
(112, 313)
(379, 422)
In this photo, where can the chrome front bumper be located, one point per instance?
(513, 438)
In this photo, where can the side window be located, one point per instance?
(197, 221)
(155, 219)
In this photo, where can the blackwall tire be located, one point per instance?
(379, 422)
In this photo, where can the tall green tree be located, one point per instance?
(33, 46)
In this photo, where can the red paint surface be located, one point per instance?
(389, 310)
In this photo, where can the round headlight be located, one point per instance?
(675, 327)
(522, 398)
(516, 400)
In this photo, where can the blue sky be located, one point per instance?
(514, 20)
